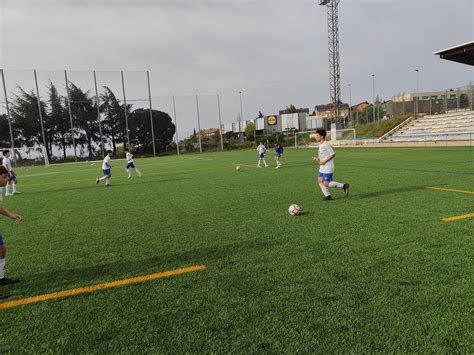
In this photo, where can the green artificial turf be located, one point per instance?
(375, 272)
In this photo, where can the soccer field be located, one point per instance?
(379, 270)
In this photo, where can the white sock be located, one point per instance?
(325, 190)
(107, 181)
(102, 178)
(7, 189)
(2, 268)
(138, 172)
(335, 184)
(14, 188)
(259, 160)
(128, 172)
(264, 162)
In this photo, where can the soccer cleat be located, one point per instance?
(346, 189)
(327, 198)
(6, 281)
(108, 185)
(97, 181)
(16, 193)
(3, 296)
(129, 177)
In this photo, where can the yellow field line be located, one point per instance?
(88, 289)
(451, 190)
(457, 218)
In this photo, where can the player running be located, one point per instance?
(106, 169)
(262, 149)
(130, 164)
(10, 188)
(4, 178)
(278, 153)
(326, 166)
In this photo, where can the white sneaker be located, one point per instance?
(129, 176)
(276, 167)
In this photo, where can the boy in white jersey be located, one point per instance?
(106, 169)
(326, 166)
(3, 250)
(10, 188)
(262, 149)
(130, 164)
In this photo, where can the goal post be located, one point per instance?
(307, 139)
(27, 156)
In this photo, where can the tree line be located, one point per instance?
(59, 134)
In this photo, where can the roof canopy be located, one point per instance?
(463, 53)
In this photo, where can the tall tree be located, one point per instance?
(114, 122)
(27, 120)
(58, 118)
(5, 141)
(140, 130)
(85, 117)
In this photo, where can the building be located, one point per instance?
(326, 111)
(360, 106)
(431, 95)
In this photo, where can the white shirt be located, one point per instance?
(107, 160)
(7, 163)
(261, 149)
(129, 157)
(325, 151)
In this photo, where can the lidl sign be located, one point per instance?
(272, 120)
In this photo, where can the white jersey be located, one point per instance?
(129, 157)
(107, 160)
(261, 149)
(325, 151)
(7, 163)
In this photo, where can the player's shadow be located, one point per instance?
(57, 280)
(398, 190)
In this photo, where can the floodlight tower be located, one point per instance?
(334, 68)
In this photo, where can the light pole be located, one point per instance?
(417, 100)
(373, 94)
(350, 103)
(241, 118)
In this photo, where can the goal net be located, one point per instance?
(27, 156)
(307, 139)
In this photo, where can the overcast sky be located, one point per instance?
(275, 52)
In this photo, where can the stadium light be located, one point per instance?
(324, 2)
(373, 92)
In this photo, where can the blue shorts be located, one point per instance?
(278, 155)
(1, 239)
(11, 176)
(262, 155)
(326, 177)
(106, 172)
(130, 165)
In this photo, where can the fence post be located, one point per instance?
(46, 158)
(98, 116)
(199, 124)
(9, 116)
(151, 113)
(70, 115)
(176, 126)
(220, 121)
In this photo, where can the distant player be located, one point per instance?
(106, 169)
(4, 178)
(326, 166)
(130, 164)
(262, 149)
(10, 188)
(278, 153)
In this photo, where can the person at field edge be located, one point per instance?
(130, 164)
(278, 153)
(3, 249)
(12, 180)
(325, 159)
(106, 169)
(261, 149)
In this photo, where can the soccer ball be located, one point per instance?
(237, 168)
(294, 210)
